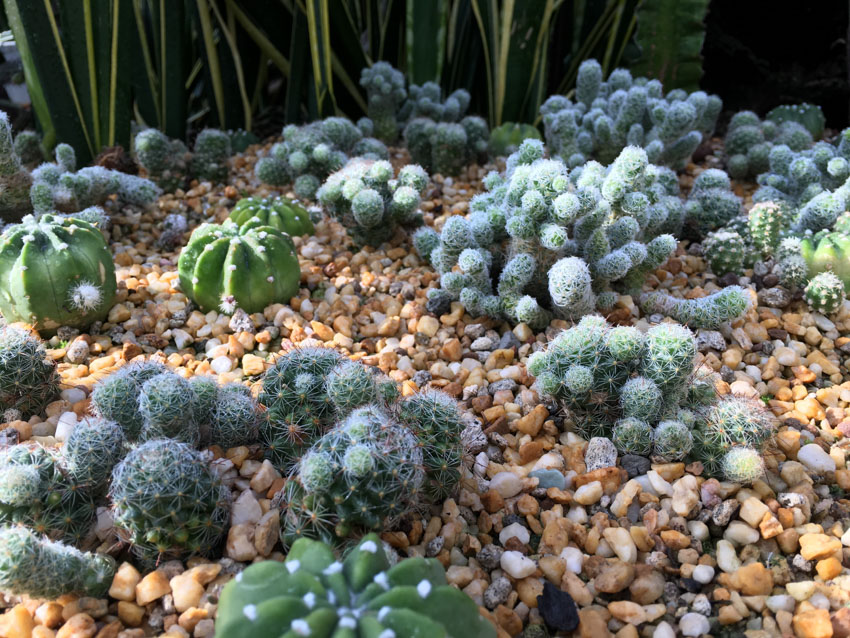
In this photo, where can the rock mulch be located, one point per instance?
(642, 549)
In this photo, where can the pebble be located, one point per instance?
(693, 624)
(497, 593)
(814, 458)
(600, 453)
(549, 478)
(507, 484)
(727, 558)
(786, 356)
(515, 530)
(703, 574)
(516, 565)
(67, 423)
(588, 494)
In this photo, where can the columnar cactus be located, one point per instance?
(15, 181)
(766, 221)
(622, 111)
(168, 503)
(446, 147)
(312, 593)
(278, 212)
(225, 267)
(385, 92)
(36, 492)
(165, 161)
(370, 203)
(28, 147)
(709, 312)
(28, 380)
(41, 568)
(55, 271)
(210, 155)
(825, 293)
(505, 139)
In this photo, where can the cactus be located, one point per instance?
(36, 493)
(671, 441)
(622, 111)
(115, 398)
(210, 155)
(724, 252)
(732, 423)
(632, 436)
(828, 251)
(641, 399)
(312, 593)
(28, 380)
(742, 465)
(168, 502)
(808, 115)
(385, 92)
(235, 419)
(15, 181)
(350, 385)
(55, 272)
(225, 267)
(710, 312)
(825, 293)
(41, 568)
(92, 449)
(370, 203)
(165, 412)
(165, 161)
(278, 212)
(27, 147)
(711, 203)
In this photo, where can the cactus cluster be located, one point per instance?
(167, 502)
(149, 402)
(711, 203)
(358, 454)
(709, 312)
(622, 111)
(228, 266)
(313, 594)
(386, 92)
(280, 213)
(28, 380)
(169, 163)
(91, 451)
(55, 271)
(547, 241)
(15, 180)
(370, 202)
(641, 390)
(309, 153)
(38, 567)
(27, 147)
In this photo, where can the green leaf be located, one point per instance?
(321, 53)
(670, 34)
(425, 39)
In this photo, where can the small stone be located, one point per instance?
(497, 593)
(786, 356)
(813, 623)
(703, 574)
(635, 465)
(621, 542)
(549, 478)
(614, 577)
(588, 494)
(727, 558)
(664, 630)
(186, 591)
(515, 530)
(78, 626)
(507, 484)
(516, 565)
(153, 586)
(240, 543)
(246, 509)
(752, 511)
(532, 422)
(124, 582)
(627, 611)
(753, 580)
(814, 458)
(692, 624)
(648, 586)
(557, 608)
(600, 453)
(818, 546)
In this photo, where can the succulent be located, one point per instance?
(742, 465)
(28, 380)
(385, 92)
(167, 502)
(165, 161)
(36, 492)
(116, 397)
(235, 418)
(165, 412)
(40, 568)
(608, 116)
(225, 267)
(632, 436)
(825, 293)
(446, 147)
(709, 312)
(671, 441)
(55, 271)
(313, 594)
(210, 155)
(27, 147)
(285, 215)
(724, 252)
(370, 203)
(829, 251)
(711, 203)
(766, 221)
(90, 452)
(15, 181)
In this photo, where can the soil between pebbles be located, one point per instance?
(691, 557)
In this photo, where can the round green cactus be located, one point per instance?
(116, 398)
(632, 436)
(724, 252)
(278, 212)
(672, 441)
(828, 252)
(28, 380)
(235, 418)
(313, 594)
(165, 410)
(505, 139)
(743, 465)
(36, 492)
(93, 448)
(225, 267)
(168, 501)
(825, 293)
(41, 568)
(55, 271)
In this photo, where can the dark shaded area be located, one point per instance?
(758, 55)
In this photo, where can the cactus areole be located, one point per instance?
(55, 271)
(225, 267)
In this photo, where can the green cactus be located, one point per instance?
(15, 181)
(235, 419)
(168, 502)
(641, 399)
(225, 267)
(828, 252)
(710, 312)
(809, 115)
(766, 220)
(92, 449)
(54, 272)
(385, 92)
(36, 492)
(350, 385)
(672, 441)
(314, 594)
(164, 160)
(165, 411)
(505, 139)
(115, 398)
(742, 465)
(825, 293)
(732, 422)
(724, 252)
(278, 212)
(28, 148)
(38, 567)
(210, 155)
(28, 380)
(632, 436)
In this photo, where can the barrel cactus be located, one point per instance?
(28, 381)
(225, 267)
(55, 271)
(314, 594)
(278, 212)
(828, 252)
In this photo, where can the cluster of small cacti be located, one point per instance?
(358, 453)
(641, 390)
(227, 266)
(309, 153)
(749, 139)
(622, 111)
(280, 213)
(545, 240)
(169, 163)
(370, 202)
(711, 203)
(708, 312)
(15, 180)
(150, 402)
(28, 380)
(313, 594)
(55, 271)
(386, 92)
(34, 565)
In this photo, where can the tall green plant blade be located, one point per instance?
(670, 34)
(321, 53)
(296, 85)
(36, 30)
(425, 39)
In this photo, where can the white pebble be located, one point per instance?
(507, 484)
(727, 558)
(814, 458)
(741, 533)
(781, 601)
(589, 493)
(66, 425)
(703, 574)
(515, 530)
(222, 364)
(574, 559)
(72, 395)
(517, 565)
(664, 630)
(698, 530)
(693, 624)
